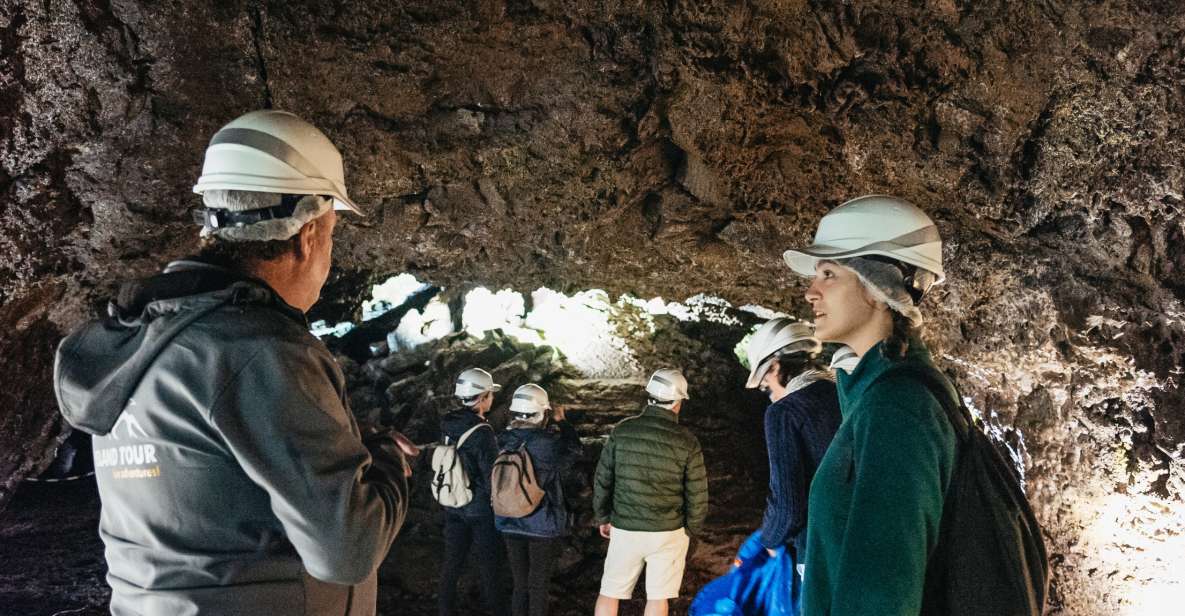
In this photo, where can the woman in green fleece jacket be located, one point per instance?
(877, 496)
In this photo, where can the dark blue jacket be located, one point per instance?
(477, 458)
(798, 429)
(553, 453)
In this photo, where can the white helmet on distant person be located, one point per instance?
(473, 383)
(667, 385)
(529, 403)
(876, 225)
(776, 337)
(273, 151)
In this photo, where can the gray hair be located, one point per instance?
(308, 208)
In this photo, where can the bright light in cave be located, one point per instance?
(485, 311)
(1140, 538)
(578, 326)
(586, 327)
(416, 327)
(322, 328)
(390, 294)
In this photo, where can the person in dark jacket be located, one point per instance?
(233, 476)
(799, 425)
(877, 499)
(473, 523)
(650, 496)
(534, 542)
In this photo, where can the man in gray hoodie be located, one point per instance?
(233, 477)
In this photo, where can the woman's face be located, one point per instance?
(841, 304)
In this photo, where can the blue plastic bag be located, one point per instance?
(757, 585)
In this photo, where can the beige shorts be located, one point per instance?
(663, 553)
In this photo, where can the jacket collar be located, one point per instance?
(186, 283)
(851, 385)
(806, 378)
(658, 411)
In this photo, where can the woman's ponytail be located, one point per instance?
(897, 344)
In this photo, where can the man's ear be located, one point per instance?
(307, 239)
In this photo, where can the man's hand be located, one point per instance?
(557, 413)
(409, 449)
(772, 552)
(405, 445)
(392, 444)
(605, 529)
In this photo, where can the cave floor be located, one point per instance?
(51, 563)
(51, 559)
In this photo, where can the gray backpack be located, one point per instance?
(514, 487)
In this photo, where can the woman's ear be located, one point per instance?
(872, 300)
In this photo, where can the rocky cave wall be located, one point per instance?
(666, 149)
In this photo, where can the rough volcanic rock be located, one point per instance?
(665, 149)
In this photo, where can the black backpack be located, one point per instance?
(990, 559)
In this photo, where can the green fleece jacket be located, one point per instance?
(651, 476)
(876, 500)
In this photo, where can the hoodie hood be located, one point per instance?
(99, 366)
(517, 437)
(457, 422)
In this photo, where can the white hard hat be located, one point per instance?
(474, 382)
(275, 152)
(667, 385)
(530, 399)
(773, 336)
(873, 225)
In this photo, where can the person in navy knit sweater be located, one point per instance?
(799, 425)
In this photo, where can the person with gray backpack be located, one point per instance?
(468, 441)
(528, 494)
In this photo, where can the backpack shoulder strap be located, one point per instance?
(956, 413)
(465, 436)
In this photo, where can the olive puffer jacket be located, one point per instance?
(651, 475)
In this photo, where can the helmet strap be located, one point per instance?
(219, 218)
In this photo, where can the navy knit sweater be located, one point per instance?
(798, 429)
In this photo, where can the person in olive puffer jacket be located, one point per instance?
(650, 496)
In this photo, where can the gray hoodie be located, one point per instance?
(233, 477)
